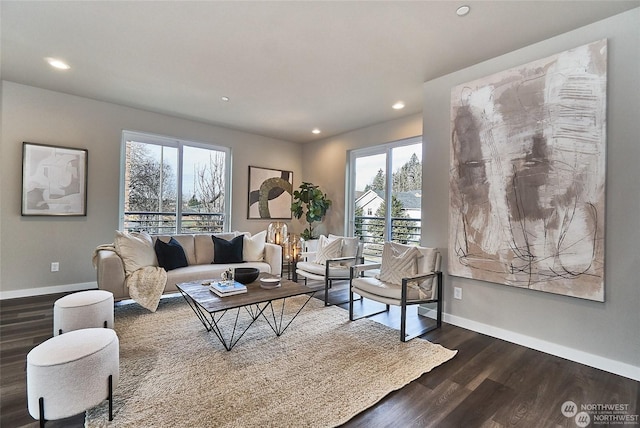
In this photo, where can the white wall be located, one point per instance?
(29, 244)
(600, 334)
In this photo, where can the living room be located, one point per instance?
(599, 334)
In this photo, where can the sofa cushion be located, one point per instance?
(206, 272)
(253, 246)
(187, 242)
(170, 255)
(135, 250)
(227, 251)
(204, 246)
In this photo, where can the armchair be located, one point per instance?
(331, 261)
(409, 275)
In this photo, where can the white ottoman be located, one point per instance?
(72, 372)
(85, 309)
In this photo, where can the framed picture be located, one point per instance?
(270, 193)
(54, 180)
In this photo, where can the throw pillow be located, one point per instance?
(227, 251)
(398, 263)
(253, 247)
(170, 255)
(135, 250)
(349, 245)
(328, 249)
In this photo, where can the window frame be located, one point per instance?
(179, 144)
(387, 150)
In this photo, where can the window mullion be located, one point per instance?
(179, 190)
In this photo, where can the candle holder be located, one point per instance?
(295, 246)
(277, 233)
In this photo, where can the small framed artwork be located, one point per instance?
(54, 180)
(270, 193)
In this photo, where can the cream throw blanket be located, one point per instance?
(145, 284)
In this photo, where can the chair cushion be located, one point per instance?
(253, 246)
(384, 289)
(135, 250)
(398, 261)
(315, 269)
(328, 249)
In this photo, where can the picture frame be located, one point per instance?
(54, 180)
(270, 193)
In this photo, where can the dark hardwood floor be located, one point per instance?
(489, 383)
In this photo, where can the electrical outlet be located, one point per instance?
(55, 266)
(457, 293)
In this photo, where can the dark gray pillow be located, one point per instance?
(227, 251)
(170, 255)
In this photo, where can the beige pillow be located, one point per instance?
(135, 250)
(349, 245)
(398, 261)
(328, 249)
(253, 247)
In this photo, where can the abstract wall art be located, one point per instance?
(270, 193)
(527, 175)
(54, 180)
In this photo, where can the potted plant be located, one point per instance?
(311, 202)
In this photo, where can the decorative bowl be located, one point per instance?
(246, 275)
(269, 283)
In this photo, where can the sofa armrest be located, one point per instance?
(273, 256)
(110, 274)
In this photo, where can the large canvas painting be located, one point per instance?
(270, 193)
(527, 178)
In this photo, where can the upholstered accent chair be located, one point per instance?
(331, 260)
(409, 275)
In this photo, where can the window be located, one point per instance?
(390, 172)
(173, 186)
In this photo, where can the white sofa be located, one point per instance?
(199, 251)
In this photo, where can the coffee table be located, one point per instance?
(210, 309)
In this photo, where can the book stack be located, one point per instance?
(224, 289)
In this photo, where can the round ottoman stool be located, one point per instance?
(72, 372)
(85, 309)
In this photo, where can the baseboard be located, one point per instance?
(30, 292)
(591, 360)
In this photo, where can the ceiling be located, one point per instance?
(287, 67)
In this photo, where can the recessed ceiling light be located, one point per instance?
(463, 10)
(225, 99)
(315, 131)
(398, 106)
(57, 63)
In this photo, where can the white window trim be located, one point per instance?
(352, 155)
(147, 138)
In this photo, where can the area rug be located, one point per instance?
(321, 372)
